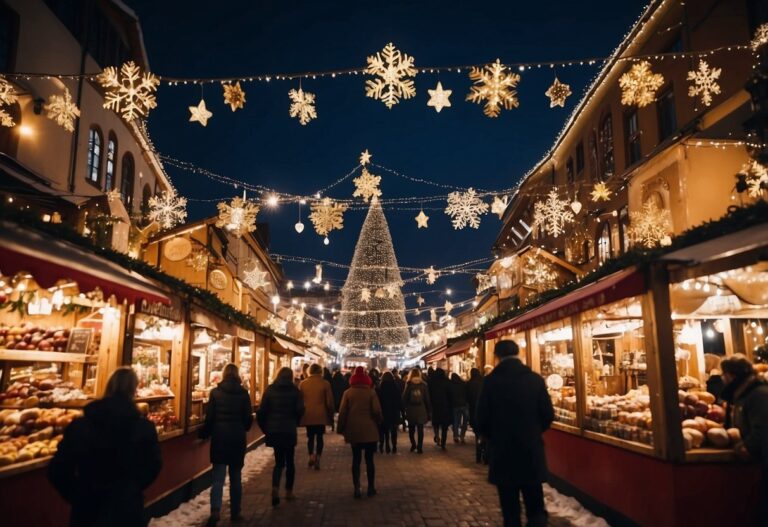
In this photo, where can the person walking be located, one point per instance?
(359, 420)
(328, 377)
(391, 409)
(107, 458)
(278, 416)
(460, 407)
(473, 386)
(418, 409)
(228, 417)
(318, 411)
(513, 411)
(440, 398)
(339, 385)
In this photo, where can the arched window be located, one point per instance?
(109, 173)
(606, 147)
(93, 173)
(604, 243)
(126, 181)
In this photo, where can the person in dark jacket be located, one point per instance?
(460, 407)
(278, 416)
(400, 377)
(418, 409)
(391, 409)
(513, 411)
(328, 377)
(473, 386)
(229, 416)
(440, 397)
(339, 385)
(107, 458)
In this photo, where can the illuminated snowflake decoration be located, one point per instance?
(465, 208)
(129, 91)
(327, 215)
(552, 214)
(639, 85)
(499, 205)
(494, 86)
(393, 69)
(62, 110)
(255, 278)
(601, 192)
(365, 294)
(538, 273)
(756, 177)
(367, 186)
(198, 260)
(8, 97)
(234, 95)
(302, 105)
(704, 82)
(431, 275)
(238, 216)
(761, 37)
(558, 93)
(484, 282)
(651, 226)
(448, 306)
(168, 209)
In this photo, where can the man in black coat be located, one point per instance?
(339, 385)
(513, 411)
(440, 398)
(473, 385)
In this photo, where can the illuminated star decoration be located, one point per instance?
(558, 93)
(639, 85)
(448, 306)
(704, 82)
(391, 290)
(499, 205)
(327, 215)
(421, 220)
(393, 70)
(365, 157)
(439, 98)
(431, 275)
(168, 210)
(61, 109)
(367, 186)
(380, 293)
(129, 92)
(200, 113)
(234, 95)
(494, 86)
(420, 300)
(238, 216)
(552, 214)
(255, 278)
(365, 294)
(761, 37)
(302, 105)
(651, 226)
(601, 192)
(465, 209)
(8, 97)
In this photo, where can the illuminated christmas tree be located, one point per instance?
(372, 306)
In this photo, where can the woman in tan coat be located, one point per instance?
(318, 411)
(359, 419)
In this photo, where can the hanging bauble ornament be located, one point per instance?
(326, 241)
(299, 227)
(576, 206)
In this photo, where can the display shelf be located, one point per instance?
(25, 466)
(710, 455)
(165, 436)
(566, 428)
(74, 404)
(45, 356)
(634, 446)
(154, 398)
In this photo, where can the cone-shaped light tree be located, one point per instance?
(372, 305)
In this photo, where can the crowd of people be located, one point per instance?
(111, 455)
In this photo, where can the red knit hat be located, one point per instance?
(360, 377)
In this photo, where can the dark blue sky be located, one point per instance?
(459, 146)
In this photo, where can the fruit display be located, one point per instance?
(40, 392)
(703, 421)
(163, 417)
(32, 433)
(624, 416)
(28, 336)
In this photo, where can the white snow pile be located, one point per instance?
(569, 509)
(197, 510)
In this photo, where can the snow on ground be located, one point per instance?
(569, 509)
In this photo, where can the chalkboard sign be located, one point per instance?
(79, 339)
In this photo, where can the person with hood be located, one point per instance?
(473, 386)
(359, 420)
(460, 407)
(440, 398)
(513, 411)
(391, 408)
(229, 416)
(107, 458)
(278, 416)
(418, 409)
(318, 411)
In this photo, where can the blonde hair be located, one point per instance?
(230, 371)
(123, 381)
(415, 373)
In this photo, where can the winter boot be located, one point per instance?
(275, 496)
(214, 519)
(317, 462)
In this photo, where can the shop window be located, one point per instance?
(570, 176)
(93, 170)
(146, 194)
(593, 162)
(580, 157)
(604, 244)
(553, 343)
(109, 172)
(632, 137)
(126, 181)
(211, 351)
(624, 229)
(665, 108)
(606, 147)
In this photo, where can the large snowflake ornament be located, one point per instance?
(704, 82)
(168, 209)
(237, 216)
(558, 93)
(255, 278)
(465, 208)
(327, 215)
(495, 86)
(651, 226)
(552, 214)
(761, 37)
(234, 95)
(393, 70)
(367, 186)
(538, 273)
(639, 85)
(61, 109)
(302, 105)
(129, 91)
(8, 96)
(756, 177)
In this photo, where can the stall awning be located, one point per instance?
(289, 347)
(723, 247)
(459, 347)
(626, 283)
(435, 355)
(49, 260)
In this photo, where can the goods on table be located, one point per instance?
(45, 392)
(624, 416)
(29, 336)
(32, 433)
(155, 389)
(702, 421)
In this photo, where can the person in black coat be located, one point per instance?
(107, 458)
(339, 385)
(391, 409)
(440, 398)
(513, 411)
(459, 407)
(228, 417)
(278, 416)
(473, 386)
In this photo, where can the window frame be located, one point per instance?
(110, 180)
(604, 250)
(94, 131)
(127, 198)
(580, 158)
(570, 175)
(668, 94)
(632, 139)
(607, 147)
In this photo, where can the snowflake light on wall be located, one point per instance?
(465, 208)
(234, 95)
(168, 209)
(494, 86)
(394, 70)
(558, 93)
(62, 110)
(756, 177)
(198, 260)
(8, 97)
(639, 85)
(255, 278)
(327, 215)
(704, 82)
(129, 91)
(651, 226)
(538, 273)
(302, 106)
(601, 192)
(367, 186)
(238, 216)
(552, 214)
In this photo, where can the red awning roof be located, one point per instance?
(49, 260)
(435, 355)
(459, 347)
(620, 285)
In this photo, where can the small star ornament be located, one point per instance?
(601, 192)
(365, 157)
(200, 113)
(558, 93)
(421, 220)
(255, 278)
(420, 300)
(448, 306)
(380, 293)
(431, 275)
(365, 294)
(499, 205)
(439, 98)
(234, 95)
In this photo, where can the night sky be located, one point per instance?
(459, 146)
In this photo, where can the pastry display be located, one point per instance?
(702, 420)
(32, 433)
